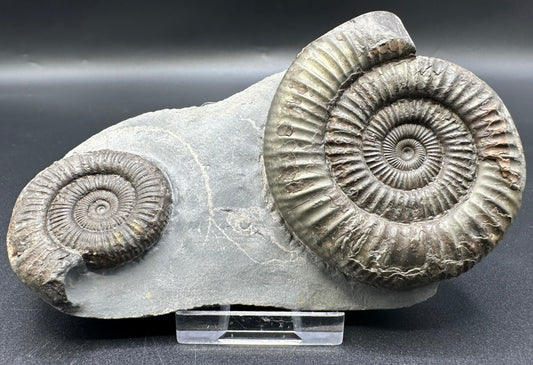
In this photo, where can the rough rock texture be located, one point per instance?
(224, 242)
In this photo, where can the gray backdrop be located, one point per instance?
(69, 69)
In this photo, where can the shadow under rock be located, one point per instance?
(449, 305)
(439, 327)
(54, 323)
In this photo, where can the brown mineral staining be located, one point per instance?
(505, 167)
(137, 228)
(295, 186)
(504, 164)
(299, 87)
(387, 47)
(397, 192)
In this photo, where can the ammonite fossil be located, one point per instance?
(398, 170)
(104, 208)
(394, 170)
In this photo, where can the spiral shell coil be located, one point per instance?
(102, 208)
(398, 170)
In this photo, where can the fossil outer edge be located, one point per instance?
(97, 209)
(398, 170)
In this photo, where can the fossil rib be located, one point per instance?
(395, 170)
(398, 170)
(101, 208)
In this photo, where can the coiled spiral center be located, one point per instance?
(408, 156)
(411, 159)
(108, 206)
(398, 170)
(411, 154)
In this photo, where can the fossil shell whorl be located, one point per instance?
(398, 170)
(104, 208)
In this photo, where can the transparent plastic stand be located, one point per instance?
(259, 327)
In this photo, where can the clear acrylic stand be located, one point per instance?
(259, 327)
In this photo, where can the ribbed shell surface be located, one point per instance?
(398, 170)
(104, 208)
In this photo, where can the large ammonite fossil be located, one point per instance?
(104, 208)
(398, 170)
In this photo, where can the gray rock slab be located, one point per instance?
(224, 243)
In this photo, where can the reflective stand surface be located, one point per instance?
(262, 327)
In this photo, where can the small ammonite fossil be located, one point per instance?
(104, 208)
(398, 170)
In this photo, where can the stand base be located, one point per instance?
(227, 327)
